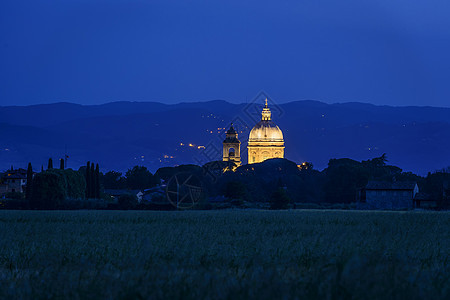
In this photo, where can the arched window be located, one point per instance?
(231, 152)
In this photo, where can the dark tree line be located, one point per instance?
(278, 182)
(339, 183)
(50, 164)
(51, 188)
(92, 181)
(137, 178)
(29, 182)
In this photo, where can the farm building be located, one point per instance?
(425, 201)
(14, 181)
(439, 199)
(389, 195)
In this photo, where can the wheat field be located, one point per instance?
(233, 254)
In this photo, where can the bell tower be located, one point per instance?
(232, 147)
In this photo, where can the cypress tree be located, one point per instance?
(88, 180)
(61, 164)
(50, 164)
(97, 181)
(92, 178)
(29, 182)
(42, 168)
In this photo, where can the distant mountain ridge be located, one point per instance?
(119, 135)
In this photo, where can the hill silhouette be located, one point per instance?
(121, 134)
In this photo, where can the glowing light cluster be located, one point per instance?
(193, 145)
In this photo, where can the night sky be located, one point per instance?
(393, 52)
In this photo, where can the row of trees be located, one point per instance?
(339, 183)
(92, 181)
(53, 188)
(29, 189)
(279, 182)
(50, 164)
(137, 178)
(50, 188)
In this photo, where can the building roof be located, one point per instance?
(423, 197)
(231, 130)
(231, 140)
(386, 185)
(266, 131)
(231, 136)
(15, 174)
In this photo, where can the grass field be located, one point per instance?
(224, 254)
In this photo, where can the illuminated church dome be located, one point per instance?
(266, 131)
(265, 140)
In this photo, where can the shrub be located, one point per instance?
(49, 190)
(127, 201)
(235, 190)
(15, 196)
(280, 199)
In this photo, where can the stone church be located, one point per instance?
(265, 141)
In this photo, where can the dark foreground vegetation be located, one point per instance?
(224, 255)
(274, 183)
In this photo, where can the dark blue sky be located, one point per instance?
(393, 52)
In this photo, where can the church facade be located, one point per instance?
(265, 141)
